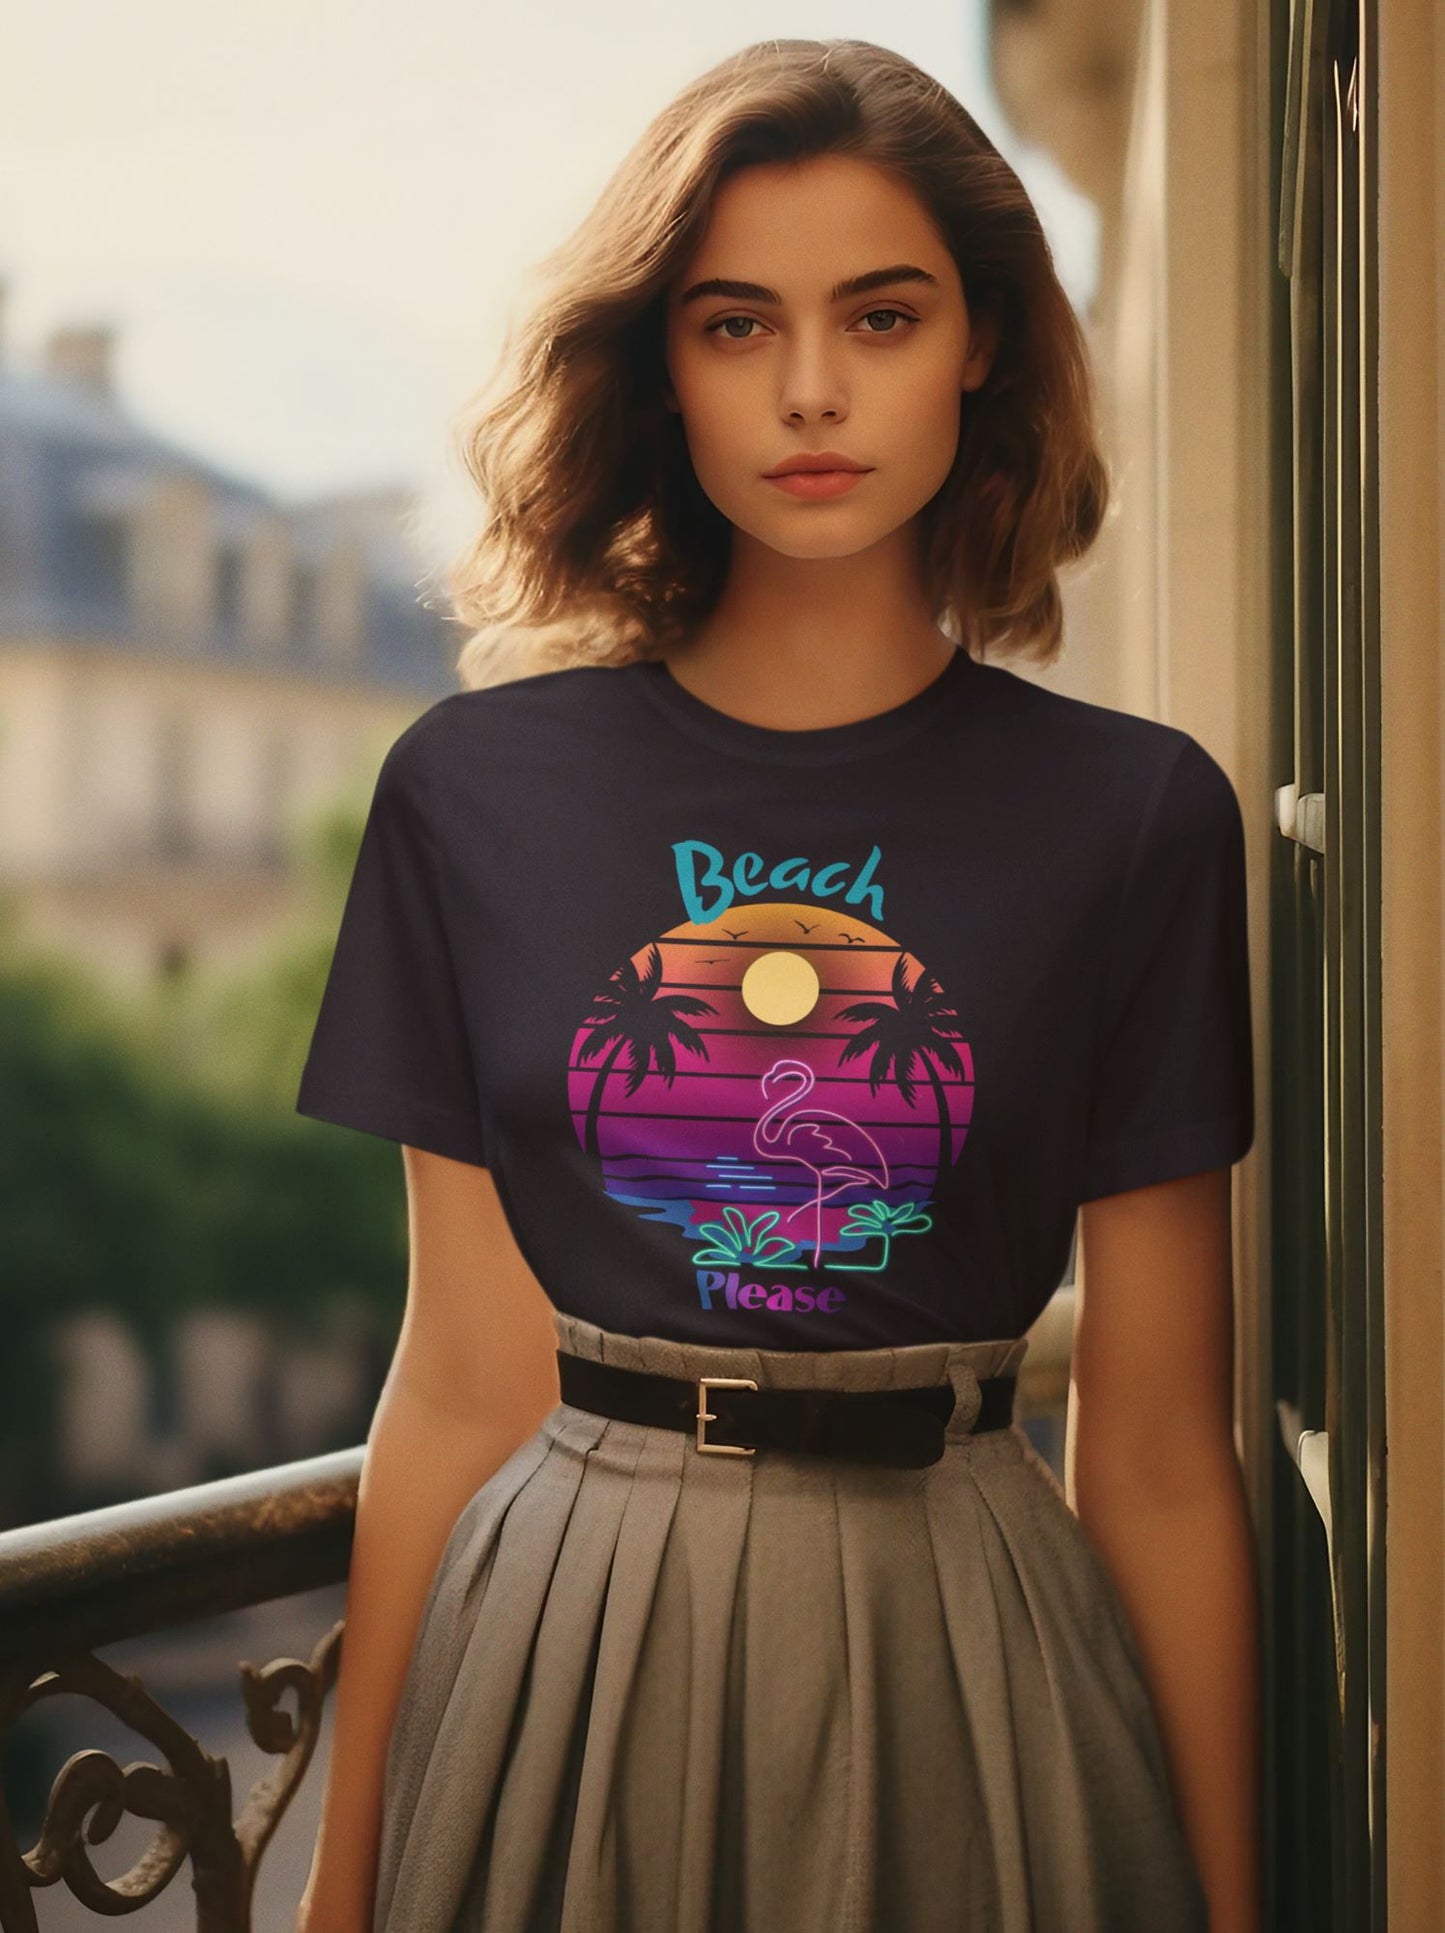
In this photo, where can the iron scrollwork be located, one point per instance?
(188, 1799)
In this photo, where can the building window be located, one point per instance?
(229, 562)
(95, 559)
(304, 613)
(273, 819)
(174, 822)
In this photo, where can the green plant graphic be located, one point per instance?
(736, 1240)
(885, 1220)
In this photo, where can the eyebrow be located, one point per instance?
(875, 278)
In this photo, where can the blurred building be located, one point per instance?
(240, 1397)
(186, 665)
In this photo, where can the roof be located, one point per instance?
(75, 464)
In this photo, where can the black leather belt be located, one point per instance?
(732, 1416)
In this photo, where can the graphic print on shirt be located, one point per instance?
(783, 1083)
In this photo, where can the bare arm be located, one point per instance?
(1156, 1481)
(473, 1375)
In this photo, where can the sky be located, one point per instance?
(310, 221)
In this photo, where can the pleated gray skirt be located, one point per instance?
(658, 1691)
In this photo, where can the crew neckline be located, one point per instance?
(808, 744)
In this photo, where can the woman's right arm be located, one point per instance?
(474, 1373)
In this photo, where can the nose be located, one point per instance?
(811, 387)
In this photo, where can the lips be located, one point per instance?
(814, 461)
(818, 486)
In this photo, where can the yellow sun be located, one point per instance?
(780, 988)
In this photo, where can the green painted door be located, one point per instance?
(1325, 1632)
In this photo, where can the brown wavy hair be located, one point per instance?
(599, 544)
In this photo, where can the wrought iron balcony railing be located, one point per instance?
(77, 1583)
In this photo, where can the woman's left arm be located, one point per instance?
(1156, 1482)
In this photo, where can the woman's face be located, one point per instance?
(785, 366)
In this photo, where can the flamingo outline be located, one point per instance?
(817, 1127)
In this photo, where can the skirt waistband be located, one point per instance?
(963, 1364)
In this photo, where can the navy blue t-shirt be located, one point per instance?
(795, 1039)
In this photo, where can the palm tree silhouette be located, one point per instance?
(629, 1012)
(919, 1026)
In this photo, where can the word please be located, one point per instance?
(700, 866)
(785, 1296)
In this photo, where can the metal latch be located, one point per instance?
(1301, 815)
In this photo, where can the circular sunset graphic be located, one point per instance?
(786, 1086)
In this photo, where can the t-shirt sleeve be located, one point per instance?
(1173, 1090)
(389, 1053)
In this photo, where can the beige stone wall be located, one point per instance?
(1411, 137)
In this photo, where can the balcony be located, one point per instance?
(76, 1584)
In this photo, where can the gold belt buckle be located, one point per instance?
(706, 1416)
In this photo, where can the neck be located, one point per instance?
(798, 643)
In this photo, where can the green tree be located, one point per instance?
(152, 1162)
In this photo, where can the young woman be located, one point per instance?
(759, 983)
